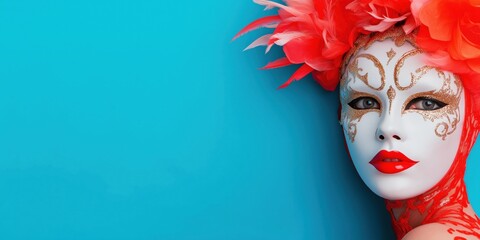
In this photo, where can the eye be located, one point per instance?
(364, 103)
(425, 103)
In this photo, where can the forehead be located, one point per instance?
(390, 62)
(386, 50)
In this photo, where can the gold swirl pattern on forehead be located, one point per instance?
(391, 54)
(353, 67)
(365, 42)
(420, 72)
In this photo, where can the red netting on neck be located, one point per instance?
(447, 201)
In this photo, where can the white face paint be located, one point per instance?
(402, 119)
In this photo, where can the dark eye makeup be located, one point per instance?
(419, 103)
(425, 103)
(364, 103)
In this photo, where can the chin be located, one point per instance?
(396, 188)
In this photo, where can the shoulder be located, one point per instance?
(433, 231)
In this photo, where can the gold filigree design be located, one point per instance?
(396, 34)
(415, 76)
(391, 95)
(447, 117)
(442, 129)
(391, 54)
(350, 117)
(352, 129)
(365, 41)
(350, 71)
(353, 67)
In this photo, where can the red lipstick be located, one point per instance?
(391, 162)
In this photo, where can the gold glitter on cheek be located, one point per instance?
(450, 114)
(447, 117)
(350, 117)
(352, 130)
(442, 130)
(391, 95)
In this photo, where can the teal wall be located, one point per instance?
(140, 119)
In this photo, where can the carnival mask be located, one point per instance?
(402, 119)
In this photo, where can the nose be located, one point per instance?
(389, 129)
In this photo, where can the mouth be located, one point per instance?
(391, 162)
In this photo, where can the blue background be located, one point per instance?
(142, 120)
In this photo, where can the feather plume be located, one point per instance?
(301, 72)
(261, 41)
(282, 62)
(259, 23)
(270, 4)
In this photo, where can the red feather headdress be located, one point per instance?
(316, 34)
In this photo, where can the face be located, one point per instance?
(402, 119)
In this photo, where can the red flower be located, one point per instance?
(380, 15)
(453, 27)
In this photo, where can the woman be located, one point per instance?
(409, 83)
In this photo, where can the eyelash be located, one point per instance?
(359, 104)
(436, 103)
(356, 103)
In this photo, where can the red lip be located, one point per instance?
(391, 162)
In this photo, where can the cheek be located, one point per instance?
(428, 140)
(364, 145)
(352, 119)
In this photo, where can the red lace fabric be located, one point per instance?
(447, 202)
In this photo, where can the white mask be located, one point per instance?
(402, 119)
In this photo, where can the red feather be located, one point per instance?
(261, 22)
(301, 72)
(282, 62)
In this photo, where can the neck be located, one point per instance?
(446, 203)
